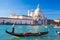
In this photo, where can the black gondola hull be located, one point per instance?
(30, 34)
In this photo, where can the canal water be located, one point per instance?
(29, 28)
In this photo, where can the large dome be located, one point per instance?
(37, 11)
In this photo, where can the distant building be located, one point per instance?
(34, 17)
(57, 20)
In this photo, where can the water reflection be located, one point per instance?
(36, 38)
(28, 38)
(33, 29)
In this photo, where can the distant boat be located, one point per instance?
(58, 32)
(27, 34)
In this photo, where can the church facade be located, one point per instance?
(33, 17)
(38, 16)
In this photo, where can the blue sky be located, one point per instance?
(50, 8)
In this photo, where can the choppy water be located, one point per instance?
(26, 28)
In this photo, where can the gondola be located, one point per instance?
(27, 34)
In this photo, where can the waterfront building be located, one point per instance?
(34, 17)
(57, 20)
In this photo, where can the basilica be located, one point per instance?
(34, 17)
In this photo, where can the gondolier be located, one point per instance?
(13, 28)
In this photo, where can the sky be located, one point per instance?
(50, 8)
